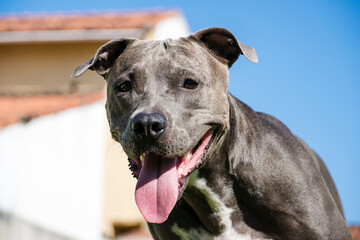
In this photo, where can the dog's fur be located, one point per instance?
(256, 181)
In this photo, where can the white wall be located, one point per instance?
(173, 27)
(51, 171)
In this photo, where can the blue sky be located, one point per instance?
(308, 74)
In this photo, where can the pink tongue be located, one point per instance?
(157, 188)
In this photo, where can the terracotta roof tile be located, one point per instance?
(23, 108)
(355, 232)
(84, 21)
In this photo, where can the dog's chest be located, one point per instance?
(220, 211)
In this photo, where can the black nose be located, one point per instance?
(148, 125)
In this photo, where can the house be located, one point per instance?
(59, 169)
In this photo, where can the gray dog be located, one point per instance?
(208, 166)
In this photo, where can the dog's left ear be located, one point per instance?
(223, 44)
(104, 57)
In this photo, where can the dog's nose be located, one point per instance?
(148, 124)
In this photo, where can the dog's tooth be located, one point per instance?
(182, 174)
(188, 156)
(180, 171)
(142, 157)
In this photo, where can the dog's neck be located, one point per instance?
(214, 204)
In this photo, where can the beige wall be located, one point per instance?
(46, 68)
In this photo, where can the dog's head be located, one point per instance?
(167, 105)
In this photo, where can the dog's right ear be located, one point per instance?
(104, 57)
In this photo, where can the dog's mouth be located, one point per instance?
(161, 179)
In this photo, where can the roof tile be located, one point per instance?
(23, 108)
(84, 21)
(355, 232)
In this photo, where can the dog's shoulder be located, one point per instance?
(272, 123)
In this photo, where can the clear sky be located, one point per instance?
(308, 74)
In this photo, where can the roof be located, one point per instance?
(84, 21)
(79, 27)
(355, 232)
(15, 109)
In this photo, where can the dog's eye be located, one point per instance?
(123, 87)
(190, 84)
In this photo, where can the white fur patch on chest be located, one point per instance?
(219, 208)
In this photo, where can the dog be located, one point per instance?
(208, 166)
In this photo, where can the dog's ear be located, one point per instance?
(104, 57)
(223, 44)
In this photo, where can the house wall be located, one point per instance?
(38, 68)
(51, 171)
